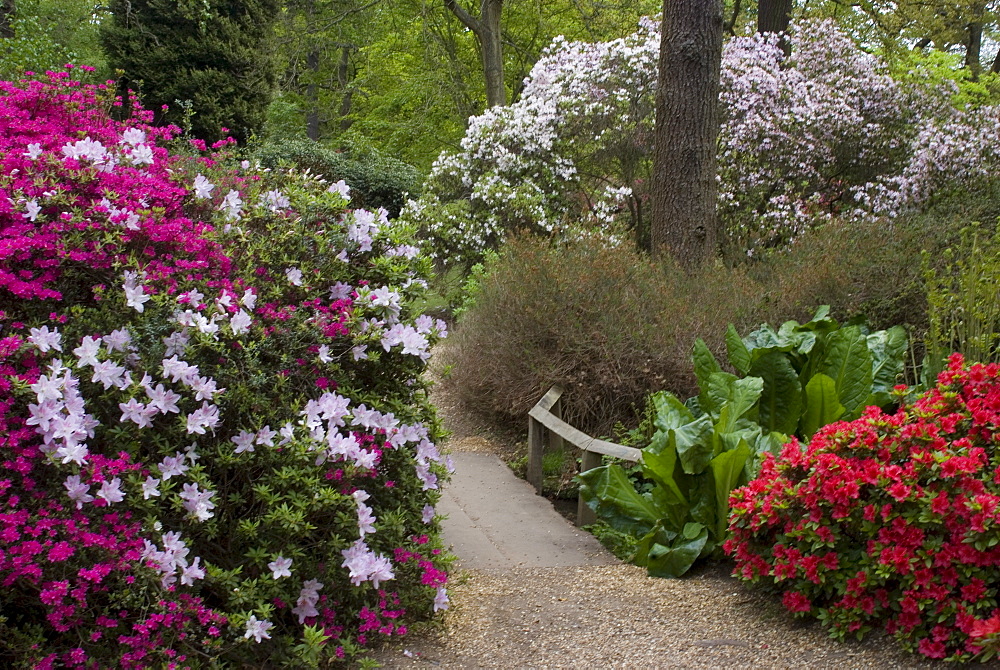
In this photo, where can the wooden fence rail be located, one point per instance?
(546, 417)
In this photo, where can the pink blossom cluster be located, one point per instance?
(127, 335)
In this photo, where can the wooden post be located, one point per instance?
(535, 446)
(585, 515)
(555, 439)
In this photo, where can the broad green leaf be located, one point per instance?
(676, 559)
(701, 497)
(822, 405)
(694, 444)
(670, 412)
(763, 338)
(705, 366)
(608, 491)
(888, 349)
(657, 535)
(848, 362)
(674, 514)
(821, 322)
(738, 397)
(719, 389)
(781, 400)
(739, 355)
(822, 314)
(727, 470)
(660, 467)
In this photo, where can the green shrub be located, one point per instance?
(962, 300)
(871, 268)
(375, 180)
(608, 324)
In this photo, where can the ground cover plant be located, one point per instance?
(216, 444)
(888, 521)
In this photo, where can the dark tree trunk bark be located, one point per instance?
(684, 219)
(344, 79)
(773, 17)
(487, 31)
(312, 95)
(996, 63)
(973, 51)
(7, 8)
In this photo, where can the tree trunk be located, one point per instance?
(973, 52)
(344, 79)
(773, 17)
(312, 95)
(496, 93)
(7, 9)
(487, 31)
(684, 219)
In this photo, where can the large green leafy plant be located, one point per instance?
(797, 379)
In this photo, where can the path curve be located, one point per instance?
(545, 595)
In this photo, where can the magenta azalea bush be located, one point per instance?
(215, 443)
(889, 521)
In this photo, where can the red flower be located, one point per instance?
(796, 602)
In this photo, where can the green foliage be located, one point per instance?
(797, 379)
(376, 180)
(213, 53)
(694, 461)
(818, 372)
(962, 301)
(49, 34)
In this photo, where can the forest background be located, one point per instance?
(402, 77)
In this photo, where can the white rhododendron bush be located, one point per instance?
(822, 132)
(215, 444)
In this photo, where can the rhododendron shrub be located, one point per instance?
(888, 521)
(216, 443)
(822, 132)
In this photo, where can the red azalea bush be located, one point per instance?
(888, 521)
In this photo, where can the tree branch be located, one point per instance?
(470, 21)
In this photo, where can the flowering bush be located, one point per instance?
(888, 521)
(822, 132)
(215, 440)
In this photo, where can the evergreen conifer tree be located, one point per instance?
(213, 53)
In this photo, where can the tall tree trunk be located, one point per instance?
(344, 79)
(7, 8)
(312, 66)
(684, 218)
(312, 95)
(974, 48)
(773, 16)
(487, 31)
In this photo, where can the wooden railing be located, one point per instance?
(546, 418)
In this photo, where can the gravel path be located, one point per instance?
(615, 616)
